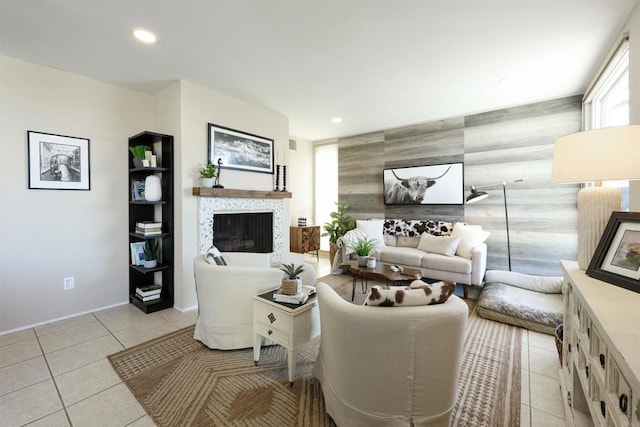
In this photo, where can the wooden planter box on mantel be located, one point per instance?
(245, 194)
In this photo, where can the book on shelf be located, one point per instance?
(137, 253)
(149, 231)
(299, 298)
(149, 290)
(148, 224)
(149, 298)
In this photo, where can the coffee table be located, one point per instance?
(381, 271)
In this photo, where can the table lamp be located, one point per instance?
(603, 154)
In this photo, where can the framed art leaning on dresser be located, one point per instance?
(617, 257)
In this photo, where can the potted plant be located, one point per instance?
(338, 227)
(150, 253)
(291, 283)
(363, 248)
(207, 173)
(138, 154)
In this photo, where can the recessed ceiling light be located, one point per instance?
(145, 36)
(336, 120)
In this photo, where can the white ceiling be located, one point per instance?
(376, 64)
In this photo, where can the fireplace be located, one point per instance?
(210, 206)
(243, 231)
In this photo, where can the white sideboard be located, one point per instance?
(601, 352)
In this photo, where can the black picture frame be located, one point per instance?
(617, 257)
(58, 162)
(440, 184)
(240, 150)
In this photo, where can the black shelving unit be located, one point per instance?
(161, 211)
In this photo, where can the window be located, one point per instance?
(326, 183)
(606, 103)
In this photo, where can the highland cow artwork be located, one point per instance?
(424, 185)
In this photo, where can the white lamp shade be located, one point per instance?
(597, 155)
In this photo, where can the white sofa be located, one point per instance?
(401, 245)
(225, 296)
(389, 366)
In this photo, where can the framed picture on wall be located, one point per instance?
(240, 150)
(58, 162)
(424, 185)
(616, 260)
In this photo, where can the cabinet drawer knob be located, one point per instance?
(603, 408)
(569, 347)
(269, 332)
(624, 402)
(586, 370)
(602, 360)
(589, 332)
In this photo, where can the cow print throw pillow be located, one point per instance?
(214, 257)
(418, 293)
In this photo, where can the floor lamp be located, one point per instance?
(476, 196)
(597, 155)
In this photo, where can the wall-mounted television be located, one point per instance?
(424, 185)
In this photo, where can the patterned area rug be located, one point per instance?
(179, 381)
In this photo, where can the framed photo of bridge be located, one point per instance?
(240, 150)
(58, 162)
(424, 185)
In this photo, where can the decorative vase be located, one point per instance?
(150, 264)
(362, 260)
(207, 182)
(371, 262)
(291, 286)
(137, 163)
(152, 188)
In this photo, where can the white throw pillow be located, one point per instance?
(373, 229)
(443, 245)
(214, 257)
(470, 237)
(544, 284)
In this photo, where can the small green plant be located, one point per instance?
(208, 171)
(150, 250)
(340, 223)
(138, 151)
(364, 247)
(292, 271)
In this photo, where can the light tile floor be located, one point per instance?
(58, 375)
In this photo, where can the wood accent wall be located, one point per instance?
(502, 145)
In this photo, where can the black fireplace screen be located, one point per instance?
(243, 232)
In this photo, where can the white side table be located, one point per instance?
(289, 325)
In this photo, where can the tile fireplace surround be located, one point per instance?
(212, 201)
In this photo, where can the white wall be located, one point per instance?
(46, 235)
(198, 107)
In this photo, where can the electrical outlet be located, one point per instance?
(68, 283)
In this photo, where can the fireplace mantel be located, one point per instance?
(225, 200)
(245, 194)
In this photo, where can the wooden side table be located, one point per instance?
(305, 239)
(289, 325)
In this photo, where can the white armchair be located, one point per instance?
(225, 296)
(389, 366)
